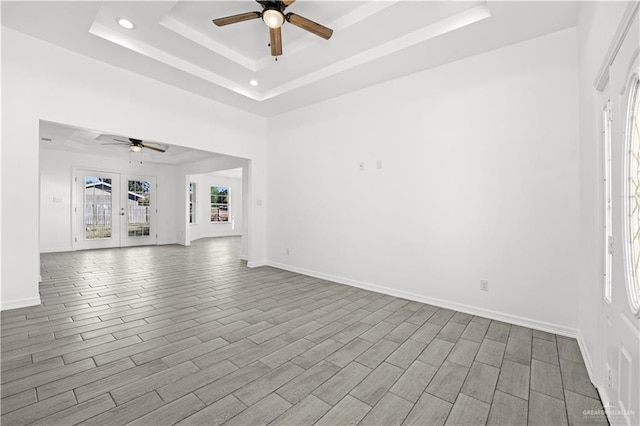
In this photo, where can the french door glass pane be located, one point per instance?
(138, 204)
(97, 207)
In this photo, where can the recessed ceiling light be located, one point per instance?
(125, 23)
(254, 83)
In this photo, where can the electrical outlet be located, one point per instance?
(362, 166)
(286, 251)
(484, 285)
(609, 376)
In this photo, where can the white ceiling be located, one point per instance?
(374, 41)
(74, 139)
(231, 173)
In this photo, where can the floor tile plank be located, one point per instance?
(468, 411)
(260, 388)
(377, 383)
(391, 410)
(171, 413)
(481, 382)
(334, 389)
(546, 379)
(191, 382)
(216, 413)
(79, 412)
(37, 410)
(429, 410)
(298, 388)
(507, 410)
(447, 382)
(546, 410)
(262, 412)
(349, 411)
(230, 383)
(125, 413)
(414, 381)
(514, 379)
(305, 413)
(140, 387)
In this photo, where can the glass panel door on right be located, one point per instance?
(139, 210)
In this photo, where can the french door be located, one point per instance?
(114, 210)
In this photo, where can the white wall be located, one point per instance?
(41, 81)
(479, 180)
(203, 227)
(56, 208)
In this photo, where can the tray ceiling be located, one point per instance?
(373, 41)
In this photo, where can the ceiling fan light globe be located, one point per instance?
(135, 148)
(273, 18)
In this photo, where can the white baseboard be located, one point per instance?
(257, 264)
(472, 310)
(20, 303)
(231, 234)
(586, 356)
(56, 250)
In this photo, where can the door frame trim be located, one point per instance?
(602, 77)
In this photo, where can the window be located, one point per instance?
(608, 237)
(219, 204)
(632, 197)
(192, 202)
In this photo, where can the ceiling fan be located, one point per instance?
(273, 15)
(135, 145)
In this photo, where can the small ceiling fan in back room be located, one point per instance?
(134, 145)
(273, 14)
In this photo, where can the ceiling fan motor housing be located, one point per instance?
(273, 5)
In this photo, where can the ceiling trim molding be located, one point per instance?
(452, 23)
(346, 21)
(602, 77)
(197, 37)
(436, 29)
(137, 46)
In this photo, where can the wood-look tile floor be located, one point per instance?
(190, 335)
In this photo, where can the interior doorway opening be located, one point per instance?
(215, 204)
(216, 201)
(99, 191)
